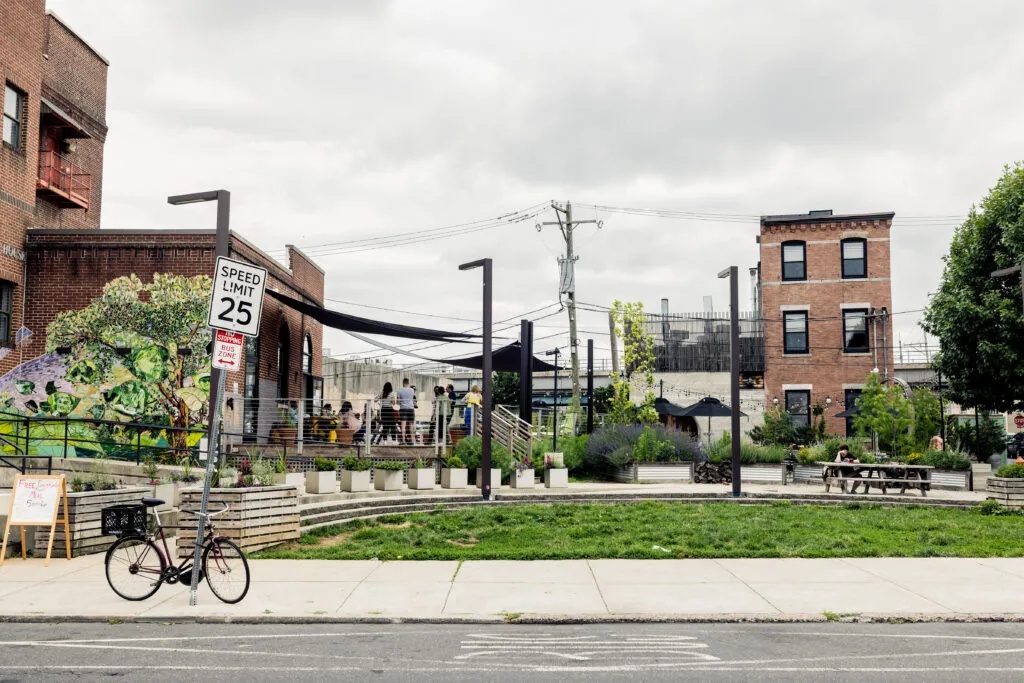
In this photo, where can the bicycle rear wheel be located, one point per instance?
(134, 567)
(226, 569)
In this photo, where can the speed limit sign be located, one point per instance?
(237, 299)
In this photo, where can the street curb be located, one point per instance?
(530, 619)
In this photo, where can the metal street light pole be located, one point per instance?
(217, 376)
(554, 431)
(487, 364)
(732, 272)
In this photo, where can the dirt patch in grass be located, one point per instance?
(465, 542)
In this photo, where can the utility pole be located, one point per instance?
(567, 284)
(613, 338)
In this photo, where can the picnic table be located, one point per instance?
(883, 476)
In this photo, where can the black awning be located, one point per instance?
(505, 359)
(352, 323)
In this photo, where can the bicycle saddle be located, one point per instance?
(152, 502)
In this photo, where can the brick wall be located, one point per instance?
(826, 369)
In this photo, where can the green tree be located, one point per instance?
(885, 411)
(978, 318)
(638, 365)
(603, 399)
(129, 340)
(505, 389)
(924, 404)
(776, 428)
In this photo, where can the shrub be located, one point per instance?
(1011, 471)
(324, 465)
(777, 428)
(611, 447)
(455, 463)
(606, 441)
(354, 464)
(915, 459)
(991, 507)
(945, 460)
(391, 466)
(470, 451)
(417, 463)
(574, 448)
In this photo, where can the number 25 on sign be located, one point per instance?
(237, 299)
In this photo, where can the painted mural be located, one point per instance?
(137, 353)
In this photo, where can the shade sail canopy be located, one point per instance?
(709, 406)
(664, 407)
(505, 359)
(352, 323)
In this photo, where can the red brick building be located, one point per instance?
(54, 257)
(826, 296)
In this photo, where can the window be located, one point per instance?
(6, 296)
(794, 260)
(855, 258)
(250, 412)
(798, 405)
(284, 359)
(14, 106)
(851, 396)
(307, 356)
(795, 332)
(855, 331)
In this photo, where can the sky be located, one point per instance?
(335, 123)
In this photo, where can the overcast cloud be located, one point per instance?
(332, 121)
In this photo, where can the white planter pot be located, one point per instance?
(164, 492)
(522, 480)
(421, 479)
(321, 482)
(355, 481)
(556, 478)
(495, 477)
(296, 479)
(457, 478)
(387, 480)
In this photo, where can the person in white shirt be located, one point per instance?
(406, 413)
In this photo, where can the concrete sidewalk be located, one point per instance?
(326, 590)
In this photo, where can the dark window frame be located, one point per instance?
(863, 312)
(786, 348)
(842, 257)
(805, 420)
(850, 397)
(803, 250)
(6, 309)
(19, 120)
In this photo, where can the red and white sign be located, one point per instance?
(227, 350)
(1017, 421)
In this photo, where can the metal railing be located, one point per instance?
(58, 174)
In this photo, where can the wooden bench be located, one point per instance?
(885, 477)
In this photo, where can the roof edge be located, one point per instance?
(83, 41)
(792, 219)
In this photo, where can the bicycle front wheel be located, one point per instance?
(134, 567)
(226, 570)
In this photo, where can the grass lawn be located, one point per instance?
(567, 531)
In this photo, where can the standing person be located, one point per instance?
(444, 413)
(473, 402)
(406, 413)
(388, 426)
(452, 396)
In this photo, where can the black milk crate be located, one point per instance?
(122, 520)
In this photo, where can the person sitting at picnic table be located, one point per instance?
(844, 455)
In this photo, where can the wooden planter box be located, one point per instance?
(457, 478)
(522, 480)
(258, 517)
(1009, 492)
(421, 479)
(322, 482)
(556, 478)
(956, 480)
(387, 480)
(84, 521)
(768, 474)
(355, 481)
(655, 472)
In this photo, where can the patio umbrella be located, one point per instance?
(849, 412)
(709, 407)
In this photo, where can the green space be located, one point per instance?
(668, 530)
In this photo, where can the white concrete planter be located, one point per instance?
(457, 478)
(556, 478)
(355, 481)
(769, 474)
(522, 480)
(321, 482)
(655, 472)
(164, 492)
(296, 479)
(1009, 492)
(387, 480)
(421, 479)
(495, 477)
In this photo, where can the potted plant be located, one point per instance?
(421, 477)
(387, 476)
(456, 434)
(454, 474)
(184, 480)
(355, 474)
(287, 475)
(253, 473)
(164, 492)
(556, 475)
(523, 476)
(324, 477)
(1007, 486)
(285, 431)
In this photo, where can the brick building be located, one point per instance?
(53, 254)
(826, 296)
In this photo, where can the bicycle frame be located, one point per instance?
(165, 576)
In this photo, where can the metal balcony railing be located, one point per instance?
(67, 184)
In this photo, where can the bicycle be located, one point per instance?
(136, 567)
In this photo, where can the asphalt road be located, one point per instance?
(454, 653)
